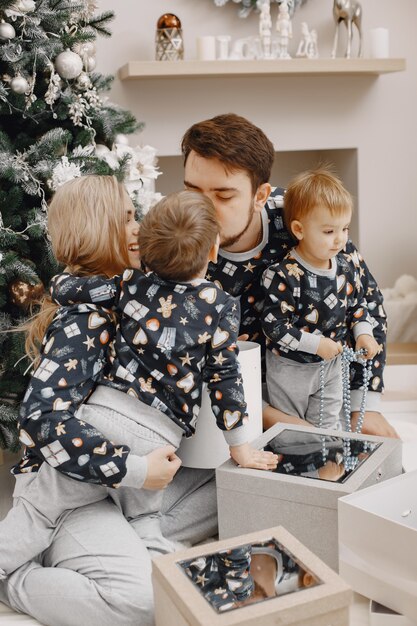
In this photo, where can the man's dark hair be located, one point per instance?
(235, 142)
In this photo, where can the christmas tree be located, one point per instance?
(54, 126)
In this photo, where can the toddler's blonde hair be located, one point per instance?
(313, 188)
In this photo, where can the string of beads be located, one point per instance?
(348, 356)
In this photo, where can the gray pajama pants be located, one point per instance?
(45, 504)
(97, 570)
(294, 388)
(40, 499)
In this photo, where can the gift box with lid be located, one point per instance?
(295, 496)
(380, 615)
(285, 583)
(378, 543)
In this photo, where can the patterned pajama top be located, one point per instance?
(303, 303)
(240, 274)
(171, 338)
(79, 450)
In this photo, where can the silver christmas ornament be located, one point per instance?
(85, 49)
(6, 31)
(83, 81)
(101, 150)
(68, 64)
(26, 6)
(89, 64)
(120, 138)
(19, 85)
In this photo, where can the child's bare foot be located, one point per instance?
(331, 471)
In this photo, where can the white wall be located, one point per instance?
(376, 115)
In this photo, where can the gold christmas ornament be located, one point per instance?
(22, 294)
(169, 20)
(169, 45)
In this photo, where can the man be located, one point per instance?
(229, 159)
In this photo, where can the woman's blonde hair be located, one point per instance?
(86, 224)
(313, 188)
(177, 235)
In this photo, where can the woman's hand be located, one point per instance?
(246, 456)
(163, 464)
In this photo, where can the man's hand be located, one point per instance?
(368, 343)
(374, 423)
(328, 348)
(246, 456)
(163, 464)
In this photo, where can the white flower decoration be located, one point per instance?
(63, 172)
(142, 172)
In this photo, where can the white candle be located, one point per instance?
(206, 48)
(224, 41)
(379, 43)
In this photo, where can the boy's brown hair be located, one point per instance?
(235, 142)
(177, 235)
(313, 188)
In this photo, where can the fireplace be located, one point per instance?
(287, 163)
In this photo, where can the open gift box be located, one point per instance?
(298, 590)
(378, 543)
(380, 615)
(208, 448)
(295, 496)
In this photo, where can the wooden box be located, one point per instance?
(180, 602)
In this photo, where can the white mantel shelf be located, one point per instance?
(137, 70)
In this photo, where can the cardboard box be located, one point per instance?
(180, 602)
(252, 499)
(382, 616)
(378, 543)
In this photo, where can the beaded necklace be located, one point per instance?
(348, 356)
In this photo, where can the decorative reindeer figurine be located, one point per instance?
(349, 12)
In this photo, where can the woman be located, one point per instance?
(97, 570)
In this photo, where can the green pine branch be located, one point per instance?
(34, 136)
(99, 23)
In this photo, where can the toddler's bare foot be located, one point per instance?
(331, 471)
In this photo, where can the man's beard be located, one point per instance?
(230, 241)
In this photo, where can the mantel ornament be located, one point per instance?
(247, 6)
(348, 12)
(169, 44)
